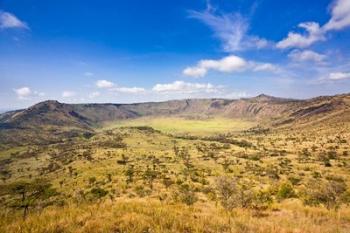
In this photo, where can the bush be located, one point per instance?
(285, 191)
(233, 194)
(141, 191)
(98, 193)
(330, 193)
(186, 195)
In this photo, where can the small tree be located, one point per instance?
(330, 193)
(233, 194)
(285, 191)
(186, 195)
(149, 176)
(129, 173)
(27, 195)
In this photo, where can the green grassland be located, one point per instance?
(184, 125)
(182, 175)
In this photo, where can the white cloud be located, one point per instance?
(94, 94)
(265, 67)
(8, 20)
(339, 76)
(110, 86)
(195, 72)
(231, 29)
(340, 16)
(314, 34)
(68, 94)
(130, 90)
(185, 88)
(227, 64)
(104, 84)
(23, 92)
(306, 55)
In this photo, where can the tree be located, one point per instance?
(233, 194)
(149, 176)
(285, 191)
(129, 174)
(186, 195)
(28, 194)
(329, 193)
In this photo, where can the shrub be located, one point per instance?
(186, 195)
(233, 194)
(330, 193)
(285, 191)
(98, 192)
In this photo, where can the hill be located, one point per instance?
(49, 120)
(261, 164)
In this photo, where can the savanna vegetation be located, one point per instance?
(263, 164)
(135, 178)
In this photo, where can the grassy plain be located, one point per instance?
(182, 176)
(183, 125)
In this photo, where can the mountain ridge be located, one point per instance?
(61, 118)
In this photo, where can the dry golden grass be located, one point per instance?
(147, 215)
(146, 148)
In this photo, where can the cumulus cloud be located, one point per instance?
(306, 55)
(8, 20)
(340, 18)
(185, 87)
(110, 86)
(68, 94)
(231, 29)
(339, 76)
(24, 93)
(227, 64)
(195, 71)
(104, 84)
(265, 67)
(313, 34)
(129, 90)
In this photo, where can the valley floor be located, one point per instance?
(134, 178)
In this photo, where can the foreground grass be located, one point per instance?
(182, 125)
(146, 215)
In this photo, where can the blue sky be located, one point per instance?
(133, 51)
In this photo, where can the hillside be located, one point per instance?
(197, 165)
(49, 119)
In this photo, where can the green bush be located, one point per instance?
(285, 191)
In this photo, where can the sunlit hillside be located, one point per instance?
(171, 173)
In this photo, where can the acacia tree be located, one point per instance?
(186, 195)
(129, 173)
(330, 194)
(27, 195)
(233, 194)
(149, 176)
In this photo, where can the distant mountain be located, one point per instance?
(50, 119)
